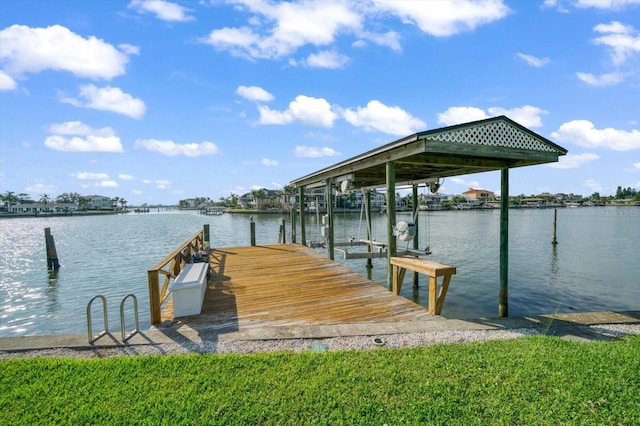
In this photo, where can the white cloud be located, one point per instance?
(6, 82)
(446, 18)
(103, 180)
(164, 10)
(162, 183)
(390, 39)
(108, 99)
(326, 59)
(40, 188)
(528, 116)
(304, 109)
(457, 115)
(314, 152)
(596, 4)
(123, 176)
(573, 161)
(584, 133)
(533, 61)
(91, 176)
(605, 4)
(622, 40)
(107, 184)
(379, 117)
(636, 166)
(172, 149)
(609, 79)
(269, 163)
(275, 30)
(463, 182)
(32, 50)
(593, 185)
(284, 27)
(75, 136)
(254, 93)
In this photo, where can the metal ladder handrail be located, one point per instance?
(105, 315)
(135, 312)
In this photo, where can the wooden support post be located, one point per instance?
(416, 239)
(293, 223)
(329, 198)
(554, 240)
(303, 231)
(391, 218)
(503, 298)
(252, 230)
(154, 297)
(52, 254)
(367, 207)
(283, 232)
(206, 236)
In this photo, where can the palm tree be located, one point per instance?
(9, 199)
(259, 195)
(123, 204)
(44, 198)
(233, 200)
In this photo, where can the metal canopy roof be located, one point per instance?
(478, 146)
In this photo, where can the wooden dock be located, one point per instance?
(290, 284)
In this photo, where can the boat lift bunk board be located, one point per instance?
(376, 249)
(404, 231)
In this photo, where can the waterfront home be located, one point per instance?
(480, 195)
(38, 208)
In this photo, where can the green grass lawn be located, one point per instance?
(533, 380)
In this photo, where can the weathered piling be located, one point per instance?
(554, 239)
(206, 238)
(52, 255)
(252, 230)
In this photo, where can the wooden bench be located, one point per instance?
(400, 265)
(188, 289)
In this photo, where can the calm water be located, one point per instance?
(595, 266)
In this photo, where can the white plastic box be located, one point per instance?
(188, 289)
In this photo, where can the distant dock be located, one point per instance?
(212, 211)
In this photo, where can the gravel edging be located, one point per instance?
(610, 331)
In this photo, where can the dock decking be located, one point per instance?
(290, 284)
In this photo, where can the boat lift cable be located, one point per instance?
(427, 231)
(370, 237)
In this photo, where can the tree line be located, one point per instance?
(10, 198)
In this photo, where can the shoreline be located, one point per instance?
(179, 339)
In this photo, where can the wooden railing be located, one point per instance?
(169, 268)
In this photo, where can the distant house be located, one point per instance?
(36, 208)
(263, 199)
(481, 195)
(99, 202)
(60, 208)
(189, 203)
(378, 200)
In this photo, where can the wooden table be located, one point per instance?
(400, 265)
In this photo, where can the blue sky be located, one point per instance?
(156, 101)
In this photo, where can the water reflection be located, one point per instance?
(593, 268)
(554, 264)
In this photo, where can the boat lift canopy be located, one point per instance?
(479, 146)
(497, 143)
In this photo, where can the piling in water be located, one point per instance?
(52, 254)
(554, 240)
